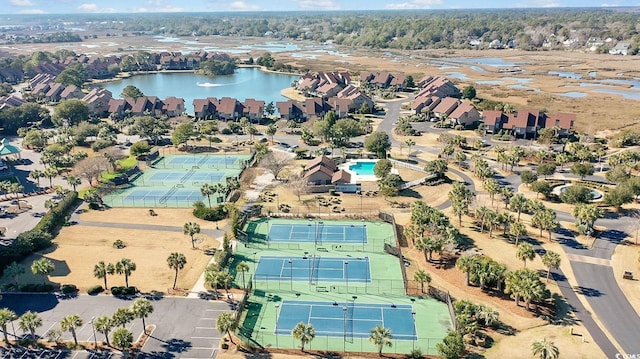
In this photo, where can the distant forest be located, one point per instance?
(528, 29)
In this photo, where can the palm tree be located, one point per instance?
(191, 229)
(422, 277)
(551, 260)
(226, 324)
(122, 316)
(519, 203)
(544, 349)
(74, 181)
(70, 323)
(36, 175)
(122, 338)
(101, 270)
(243, 267)
(141, 308)
(488, 315)
(50, 203)
(176, 261)
(409, 142)
(466, 263)
(303, 332)
(28, 322)
(104, 324)
(481, 214)
(518, 230)
(125, 266)
(207, 190)
(381, 336)
(6, 316)
(461, 197)
(525, 252)
(43, 267)
(50, 173)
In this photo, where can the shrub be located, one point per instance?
(209, 214)
(118, 244)
(226, 131)
(37, 288)
(100, 144)
(459, 128)
(68, 289)
(216, 139)
(95, 290)
(124, 290)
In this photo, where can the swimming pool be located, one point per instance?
(362, 168)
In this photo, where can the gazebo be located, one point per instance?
(7, 149)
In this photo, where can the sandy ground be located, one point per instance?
(624, 259)
(78, 248)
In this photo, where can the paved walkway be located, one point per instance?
(199, 287)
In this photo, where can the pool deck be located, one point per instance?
(357, 178)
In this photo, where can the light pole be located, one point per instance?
(14, 331)
(344, 313)
(277, 311)
(95, 340)
(366, 273)
(254, 263)
(291, 274)
(310, 225)
(319, 231)
(361, 210)
(364, 234)
(346, 273)
(277, 201)
(413, 342)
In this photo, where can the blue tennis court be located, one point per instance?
(318, 232)
(161, 196)
(352, 320)
(314, 268)
(186, 176)
(203, 161)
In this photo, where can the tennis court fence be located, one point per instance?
(323, 212)
(267, 338)
(286, 284)
(114, 200)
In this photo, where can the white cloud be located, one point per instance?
(539, 3)
(159, 6)
(93, 8)
(317, 5)
(31, 11)
(21, 3)
(414, 4)
(243, 6)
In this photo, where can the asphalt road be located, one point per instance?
(184, 327)
(594, 281)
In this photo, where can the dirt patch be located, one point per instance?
(78, 248)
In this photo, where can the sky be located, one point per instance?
(143, 6)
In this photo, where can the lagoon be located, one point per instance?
(243, 84)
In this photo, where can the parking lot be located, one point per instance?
(184, 327)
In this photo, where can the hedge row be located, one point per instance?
(57, 215)
(40, 236)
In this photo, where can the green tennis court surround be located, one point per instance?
(296, 277)
(175, 181)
